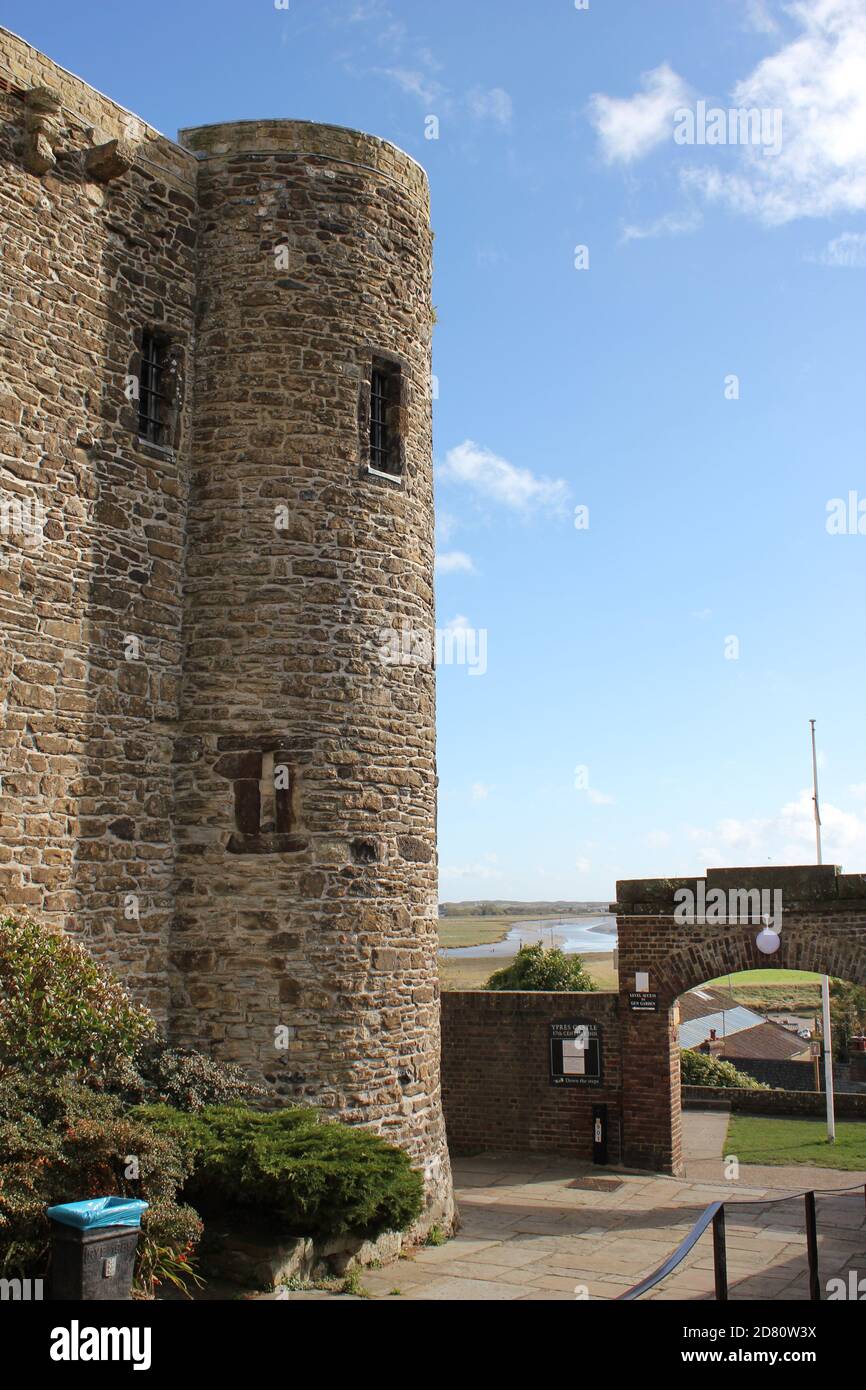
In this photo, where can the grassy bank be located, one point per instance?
(774, 991)
(756, 1139)
(472, 973)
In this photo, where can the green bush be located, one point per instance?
(61, 1013)
(61, 1141)
(699, 1069)
(306, 1176)
(847, 1015)
(537, 969)
(185, 1079)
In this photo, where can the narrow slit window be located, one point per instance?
(380, 441)
(152, 400)
(385, 446)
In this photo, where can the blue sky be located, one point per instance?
(649, 677)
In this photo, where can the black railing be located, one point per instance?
(714, 1215)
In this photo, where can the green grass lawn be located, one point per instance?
(769, 991)
(769, 977)
(756, 1139)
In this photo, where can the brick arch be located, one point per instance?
(827, 952)
(823, 928)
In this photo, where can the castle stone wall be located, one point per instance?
(309, 951)
(92, 527)
(194, 619)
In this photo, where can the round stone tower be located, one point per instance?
(305, 936)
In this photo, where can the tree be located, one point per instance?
(697, 1069)
(847, 1014)
(537, 969)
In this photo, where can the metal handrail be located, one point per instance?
(714, 1215)
(670, 1264)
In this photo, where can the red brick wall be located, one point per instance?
(823, 928)
(496, 1086)
(495, 1047)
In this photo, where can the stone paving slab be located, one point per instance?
(535, 1237)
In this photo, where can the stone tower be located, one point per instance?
(305, 933)
(216, 674)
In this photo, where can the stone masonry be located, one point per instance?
(210, 770)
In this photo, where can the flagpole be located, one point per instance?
(825, 981)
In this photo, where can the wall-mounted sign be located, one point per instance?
(643, 1003)
(575, 1053)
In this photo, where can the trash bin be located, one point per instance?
(93, 1246)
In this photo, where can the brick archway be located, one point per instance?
(823, 928)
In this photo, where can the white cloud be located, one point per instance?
(786, 838)
(480, 791)
(500, 481)
(454, 562)
(460, 623)
(599, 798)
(582, 864)
(495, 105)
(760, 18)
(858, 789)
(818, 82)
(847, 250)
(446, 525)
(630, 127)
(417, 84)
(671, 224)
(484, 869)
(658, 839)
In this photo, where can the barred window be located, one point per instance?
(379, 439)
(385, 443)
(152, 400)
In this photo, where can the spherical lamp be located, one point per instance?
(768, 941)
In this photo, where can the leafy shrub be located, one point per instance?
(535, 968)
(310, 1178)
(185, 1079)
(699, 1069)
(61, 1141)
(61, 1013)
(847, 1014)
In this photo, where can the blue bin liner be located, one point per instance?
(99, 1211)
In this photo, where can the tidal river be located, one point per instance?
(575, 936)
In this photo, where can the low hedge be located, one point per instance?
(64, 1014)
(306, 1176)
(62, 1142)
(699, 1069)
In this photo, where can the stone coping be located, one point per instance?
(807, 884)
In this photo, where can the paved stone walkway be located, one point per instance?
(530, 1231)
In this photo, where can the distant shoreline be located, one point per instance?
(469, 932)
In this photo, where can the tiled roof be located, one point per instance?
(767, 1041)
